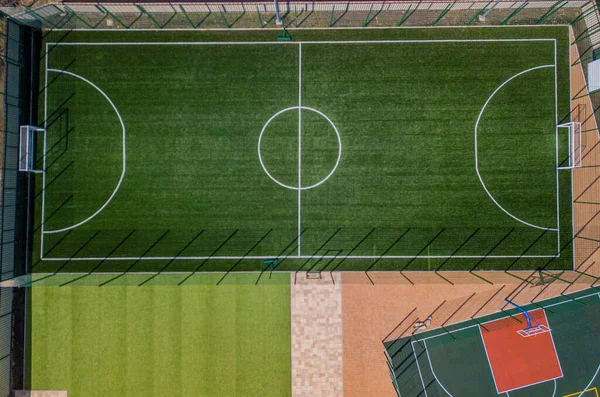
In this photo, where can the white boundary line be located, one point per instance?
(488, 358)
(268, 256)
(591, 381)
(553, 345)
(168, 43)
(533, 384)
(432, 371)
(477, 156)
(556, 149)
(127, 258)
(124, 151)
(419, 368)
(299, 147)
(299, 29)
(570, 31)
(257, 272)
(44, 154)
(500, 318)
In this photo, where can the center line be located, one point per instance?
(299, 142)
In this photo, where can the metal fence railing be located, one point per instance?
(15, 71)
(296, 14)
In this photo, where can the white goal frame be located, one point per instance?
(575, 145)
(27, 147)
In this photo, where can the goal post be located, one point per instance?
(27, 147)
(575, 157)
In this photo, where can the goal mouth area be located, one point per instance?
(533, 331)
(27, 147)
(575, 145)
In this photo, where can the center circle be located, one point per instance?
(339, 154)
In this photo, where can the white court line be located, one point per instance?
(553, 345)
(418, 368)
(477, 158)
(299, 147)
(124, 152)
(591, 381)
(554, 392)
(488, 359)
(44, 153)
(556, 148)
(500, 318)
(536, 383)
(167, 43)
(432, 371)
(152, 258)
(570, 30)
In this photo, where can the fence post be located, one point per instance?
(443, 13)
(407, 14)
(550, 12)
(514, 13)
(479, 13)
(369, 20)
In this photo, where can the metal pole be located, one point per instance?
(277, 16)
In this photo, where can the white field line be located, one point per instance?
(591, 381)
(177, 43)
(533, 384)
(419, 368)
(555, 353)
(571, 120)
(280, 272)
(293, 28)
(432, 371)
(554, 392)
(44, 153)
(124, 152)
(500, 318)
(553, 345)
(299, 147)
(154, 258)
(477, 158)
(488, 359)
(556, 148)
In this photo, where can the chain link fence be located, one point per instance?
(18, 80)
(301, 14)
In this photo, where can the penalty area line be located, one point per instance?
(262, 257)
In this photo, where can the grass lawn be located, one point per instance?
(160, 340)
(184, 164)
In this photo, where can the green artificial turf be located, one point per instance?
(161, 340)
(405, 184)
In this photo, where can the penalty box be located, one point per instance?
(303, 208)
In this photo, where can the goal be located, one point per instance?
(574, 143)
(27, 148)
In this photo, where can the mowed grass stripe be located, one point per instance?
(161, 340)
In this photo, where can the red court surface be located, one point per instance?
(515, 361)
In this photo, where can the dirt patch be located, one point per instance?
(40, 393)
(586, 180)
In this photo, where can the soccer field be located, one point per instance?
(338, 150)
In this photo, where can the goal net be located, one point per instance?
(574, 144)
(27, 147)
